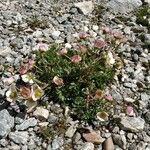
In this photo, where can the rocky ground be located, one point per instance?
(24, 23)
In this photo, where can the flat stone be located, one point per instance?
(6, 123)
(31, 122)
(108, 144)
(57, 143)
(41, 113)
(85, 7)
(123, 6)
(55, 34)
(70, 131)
(93, 137)
(19, 137)
(132, 124)
(87, 146)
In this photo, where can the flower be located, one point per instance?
(110, 58)
(108, 97)
(82, 35)
(9, 80)
(27, 78)
(58, 81)
(36, 92)
(118, 34)
(41, 47)
(130, 111)
(99, 94)
(82, 48)
(25, 92)
(106, 29)
(23, 69)
(99, 43)
(11, 94)
(62, 51)
(102, 116)
(76, 59)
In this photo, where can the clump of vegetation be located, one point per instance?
(77, 76)
(35, 22)
(143, 15)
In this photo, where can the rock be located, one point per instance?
(85, 7)
(41, 113)
(52, 119)
(5, 51)
(57, 143)
(3, 142)
(108, 144)
(132, 124)
(31, 122)
(55, 34)
(19, 137)
(93, 137)
(147, 38)
(123, 6)
(129, 100)
(87, 146)
(6, 123)
(70, 131)
(147, 116)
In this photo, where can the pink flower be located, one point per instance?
(41, 47)
(99, 43)
(76, 59)
(109, 97)
(58, 81)
(62, 51)
(130, 111)
(106, 29)
(23, 69)
(31, 64)
(25, 92)
(82, 35)
(118, 34)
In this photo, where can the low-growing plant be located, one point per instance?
(77, 76)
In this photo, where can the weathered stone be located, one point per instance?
(31, 122)
(87, 146)
(85, 7)
(108, 144)
(19, 137)
(132, 124)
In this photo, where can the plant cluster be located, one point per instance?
(77, 75)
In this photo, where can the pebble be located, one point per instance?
(133, 124)
(108, 144)
(57, 143)
(87, 146)
(93, 137)
(6, 123)
(19, 137)
(31, 122)
(55, 34)
(41, 113)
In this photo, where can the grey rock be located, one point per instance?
(52, 119)
(133, 124)
(116, 95)
(145, 97)
(57, 143)
(19, 118)
(141, 146)
(70, 131)
(87, 146)
(31, 122)
(85, 7)
(147, 116)
(147, 38)
(123, 6)
(24, 147)
(3, 142)
(19, 137)
(135, 57)
(55, 34)
(6, 123)
(120, 140)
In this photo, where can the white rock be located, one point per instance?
(95, 27)
(37, 34)
(133, 124)
(86, 7)
(67, 45)
(41, 113)
(129, 100)
(55, 34)
(87, 146)
(85, 29)
(123, 6)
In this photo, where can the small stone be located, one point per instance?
(6, 123)
(31, 122)
(147, 38)
(37, 34)
(135, 57)
(70, 131)
(55, 34)
(85, 7)
(132, 124)
(41, 113)
(129, 100)
(3, 142)
(19, 137)
(93, 137)
(43, 124)
(52, 118)
(108, 144)
(87, 146)
(95, 27)
(57, 143)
